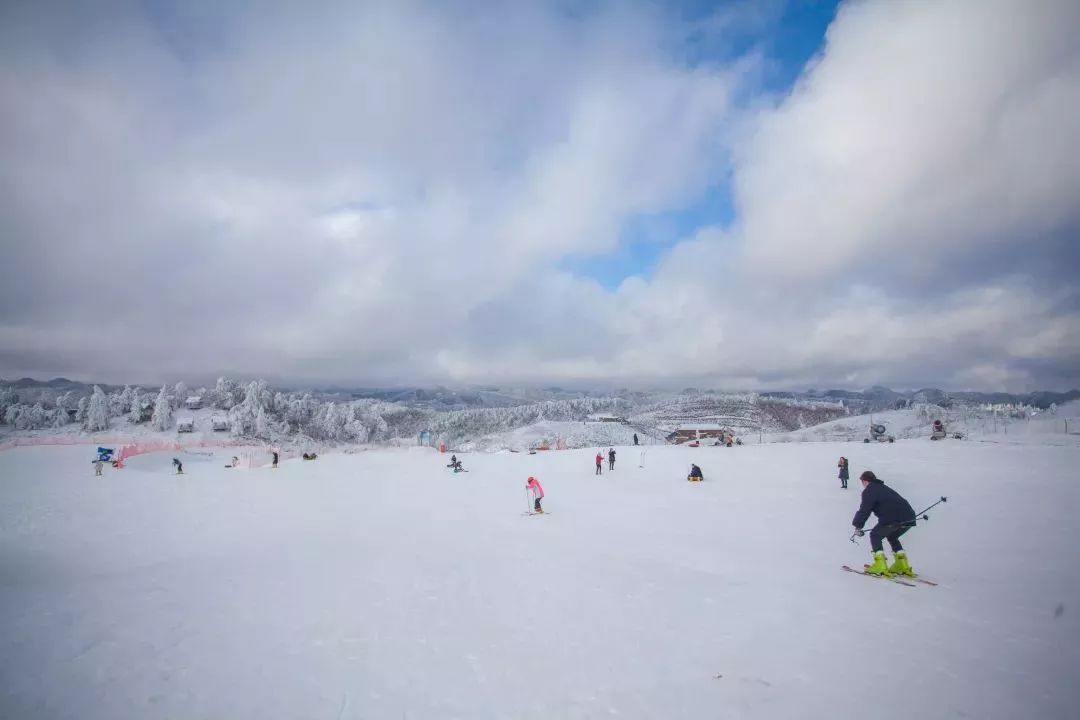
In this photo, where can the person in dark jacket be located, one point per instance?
(843, 465)
(895, 517)
(635, 438)
(611, 459)
(695, 474)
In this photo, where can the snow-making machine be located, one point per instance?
(937, 432)
(878, 434)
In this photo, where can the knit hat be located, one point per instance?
(869, 476)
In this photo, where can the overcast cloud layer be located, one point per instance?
(390, 191)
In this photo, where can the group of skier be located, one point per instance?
(895, 514)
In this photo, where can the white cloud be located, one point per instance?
(384, 192)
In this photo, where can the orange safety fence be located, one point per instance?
(129, 446)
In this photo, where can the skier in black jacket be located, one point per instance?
(895, 517)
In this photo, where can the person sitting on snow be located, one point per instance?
(895, 517)
(695, 474)
(537, 492)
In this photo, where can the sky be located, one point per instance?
(751, 195)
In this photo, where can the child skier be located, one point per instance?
(895, 517)
(599, 463)
(843, 465)
(611, 458)
(537, 492)
(98, 465)
(178, 465)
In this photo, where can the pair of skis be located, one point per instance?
(899, 580)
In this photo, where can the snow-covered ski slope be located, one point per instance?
(380, 585)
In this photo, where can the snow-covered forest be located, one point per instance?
(255, 410)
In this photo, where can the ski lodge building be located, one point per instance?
(700, 431)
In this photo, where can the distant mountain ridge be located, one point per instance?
(438, 397)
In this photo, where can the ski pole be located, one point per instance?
(922, 513)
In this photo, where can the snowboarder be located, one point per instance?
(843, 465)
(599, 463)
(611, 458)
(635, 439)
(895, 517)
(533, 486)
(178, 465)
(274, 464)
(695, 474)
(99, 464)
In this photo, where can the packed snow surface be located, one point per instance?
(381, 585)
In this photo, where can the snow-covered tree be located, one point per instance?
(264, 424)
(81, 410)
(115, 402)
(66, 401)
(333, 423)
(244, 417)
(13, 415)
(225, 394)
(97, 412)
(180, 394)
(135, 410)
(26, 417)
(36, 417)
(8, 398)
(162, 417)
(60, 417)
(125, 400)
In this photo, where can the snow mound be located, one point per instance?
(555, 434)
